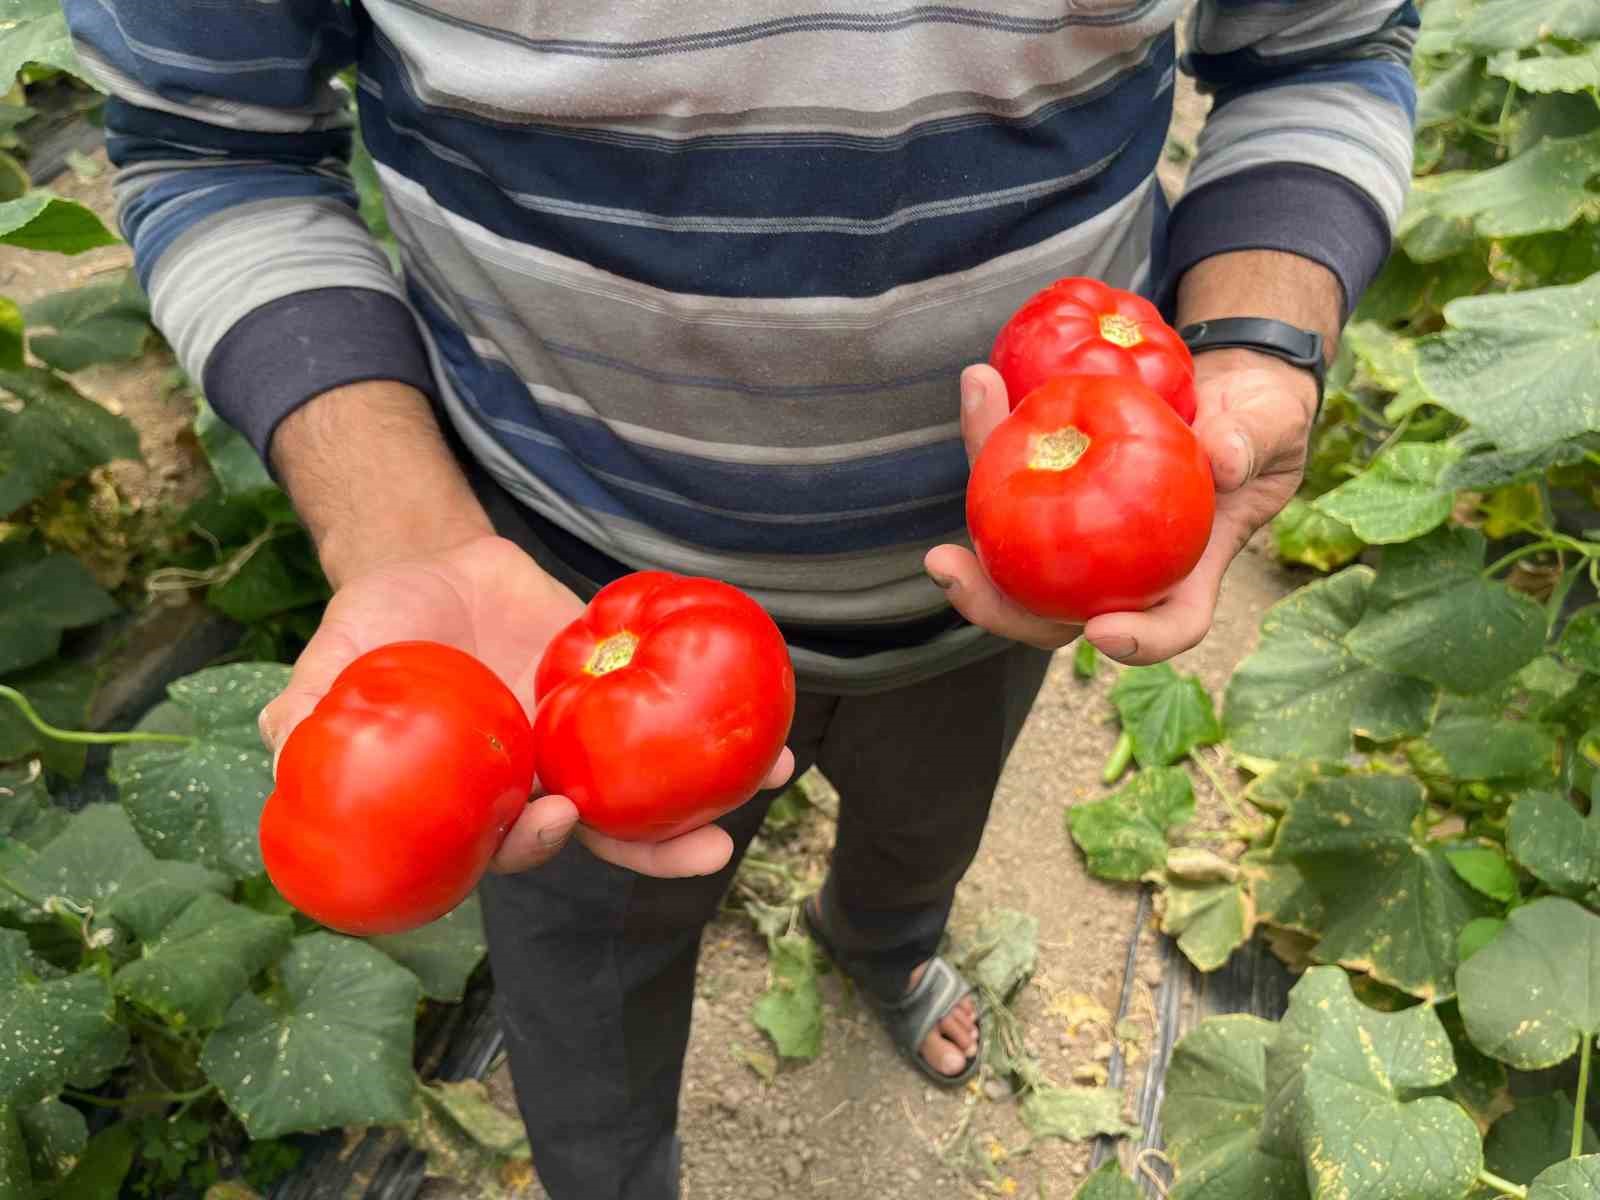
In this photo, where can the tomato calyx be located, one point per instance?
(1058, 450)
(1120, 330)
(612, 654)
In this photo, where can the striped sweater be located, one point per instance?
(694, 280)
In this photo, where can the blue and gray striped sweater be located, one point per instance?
(694, 280)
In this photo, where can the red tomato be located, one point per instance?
(1092, 497)
(396, 791)
(1084, 327)
(664, 706)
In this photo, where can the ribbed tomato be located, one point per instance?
(394, 794)
(1091, 497)
(664, 706)
(1081, 326)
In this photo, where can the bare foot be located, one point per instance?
(954, 1040)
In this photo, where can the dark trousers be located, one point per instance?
(594, 965)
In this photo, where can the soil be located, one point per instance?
(856, 1121)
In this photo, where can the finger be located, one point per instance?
(983, 406)
(704, 851)
(1181, 620)
(539, 834)
(957, 570)
(1251, 428)
(333, 648)
(781, 771)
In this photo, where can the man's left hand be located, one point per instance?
(1254, 420)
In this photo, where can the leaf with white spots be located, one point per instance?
(442, 954)
(1575, 1179)
(1551, 948)
(195, 965)
(201, 802)
(330, 1046)
(1343, 1086)
(52, 1031)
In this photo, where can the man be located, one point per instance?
(691, 286)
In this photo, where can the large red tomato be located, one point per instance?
(664, 706)
(1084, 327)
(396, 791)
(1092, 497)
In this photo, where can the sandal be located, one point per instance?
(912, 1017)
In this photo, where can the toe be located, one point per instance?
(943, 1055)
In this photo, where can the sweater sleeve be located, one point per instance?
(231, 140)
(1308, 147)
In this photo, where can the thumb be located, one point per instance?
(983, 406)
(1260, 435)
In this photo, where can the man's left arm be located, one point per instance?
(1302, 171)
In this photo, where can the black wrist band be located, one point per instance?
(1299, 347)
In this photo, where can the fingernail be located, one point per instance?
(944, 582)
(554, 835)
(1247, 452)
(1118, 646)
(971, 393)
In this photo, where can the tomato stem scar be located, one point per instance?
(1120, 330)
(616, 651)
(1058, 451)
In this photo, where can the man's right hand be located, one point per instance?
(412, 557)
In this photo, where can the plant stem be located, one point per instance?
(144, 1098)
(1121, 755)
(1518, 554)
(1583, 1095)
(80, 737)
(1504, 1186)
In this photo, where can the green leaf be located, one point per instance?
(26, 813)
(1165, 713)
(443, 954)
(1535, 1135)
(1486, 870)
(1580, 640)
(1283, 898)
(466, 1136)
(1397, 498)
(1108, 1183)
(101, 323)
(1004, 951)
(195, 966)
(1515, 24)
(238, 469)
(1304, 534)
(1085, 659)
(1433, 616)
(1543, 190)
(1524, 368)
(1575, 1179)
(42, 220)
(105, 1164)
(334, 1048)
(1215, 1099)
(1551, 948)
(1342, 1078)
(1475, 935)
(271, 581)
(90, 860)
(1302, 692)
(49, 433)
(201, 802)
(1210, 920)
(61, 692)
(11, 335)
(1557, 846)
(56, 1135)
(35, 31)
(1394, 906)
(1553, 71)
(791, 1010)
(1125, 835)
(52, 1032)
(1496, 468)
(39, 599)
(1498, 752)
(1075, 1113)
(16, 1174)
